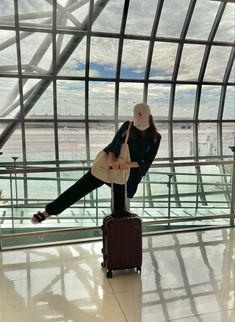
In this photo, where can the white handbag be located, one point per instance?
(100, 168)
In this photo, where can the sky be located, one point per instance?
(36, 53)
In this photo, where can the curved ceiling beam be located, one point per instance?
(44, 83)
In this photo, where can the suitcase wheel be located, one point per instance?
(138, 269)
(109, 274)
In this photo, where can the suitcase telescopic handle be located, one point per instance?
(125, 197)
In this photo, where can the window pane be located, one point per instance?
(232, 74)
(191, 53)
(163, 130)
(101, 99)
(209, 103)
(140, 17)
(9, 97)
(228, 136)
(72, 142)
(13, 146)
(61, 42)
(217, 63)
(186, 186)
(163, 60)
(110, 17)
(216, 192)
(7, 12)
(100, 134)
(34, 13)
(35, 104)
(75, 65)
(173, 11)
(229, 104)
(226, 29)
(202, 20)
(71, 15)
(36, 58)
(41, 189)
(134, 58)
(43, 107)
(158, 99)
(182, 139)
(39, 139)
(129, 95)
(184, 101)
(70, 98)
(8, 59)
(207, 139)
(103, 57)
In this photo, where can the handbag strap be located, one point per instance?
(128, 132)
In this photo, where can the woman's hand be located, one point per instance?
(124, 165)
(118, 165)
(129, 165)
(114, 164)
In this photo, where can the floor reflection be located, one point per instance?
(185, 277)
(199, 270)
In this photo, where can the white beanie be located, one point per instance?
(141, 116)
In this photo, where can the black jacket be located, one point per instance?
(142, 150)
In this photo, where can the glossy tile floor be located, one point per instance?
(187, 277)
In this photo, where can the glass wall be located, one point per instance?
(71, 72)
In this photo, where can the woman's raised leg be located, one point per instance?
(78, 190)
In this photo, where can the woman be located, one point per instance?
(143, 142)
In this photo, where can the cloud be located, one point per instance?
(217, 63)
(140, 17)
(110, 18)
(104, 50)
(202, 20)
(172, 18)
(191, 60)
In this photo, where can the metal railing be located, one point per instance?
(168, 199)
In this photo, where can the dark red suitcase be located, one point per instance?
(122, 242)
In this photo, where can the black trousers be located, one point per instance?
(79, 189)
